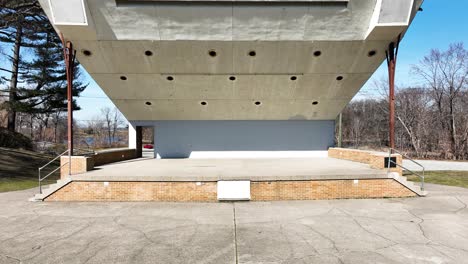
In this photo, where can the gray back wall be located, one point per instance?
(177, 139)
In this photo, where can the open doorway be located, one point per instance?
(141, 138)
(147, 139)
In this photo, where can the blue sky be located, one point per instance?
(442, 22)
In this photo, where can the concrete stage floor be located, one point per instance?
(145, 169)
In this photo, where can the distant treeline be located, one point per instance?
(431, 120)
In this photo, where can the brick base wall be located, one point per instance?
(111, 156)
(332, 189)
(375, 160)
(82, 164)
(207, 191)
(137, 191)
(79, 164)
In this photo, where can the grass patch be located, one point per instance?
(451, 178)
(18, 169)
(16, 184)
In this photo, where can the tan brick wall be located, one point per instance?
(332, 189)
(113, 156)
(349, 154)
(79, 164)
(376, 160)
(207, 191)
(137, 191)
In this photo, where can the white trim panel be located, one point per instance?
(68, 12)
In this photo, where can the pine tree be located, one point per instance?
(18, 25)
(46, 81)
(39, 85)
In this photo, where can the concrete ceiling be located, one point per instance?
(284, 75)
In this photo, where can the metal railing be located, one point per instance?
(84, 152)
(390, 161)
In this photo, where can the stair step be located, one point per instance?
(408, 184)
(49, 190)
(52, 186)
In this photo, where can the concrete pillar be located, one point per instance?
(131, 136)
(155, 151)
(139, 141)
(135, 139)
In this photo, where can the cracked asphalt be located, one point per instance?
(415, 230)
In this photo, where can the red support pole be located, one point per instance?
(69, 56)
(392, 54)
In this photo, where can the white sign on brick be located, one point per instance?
(233, 190)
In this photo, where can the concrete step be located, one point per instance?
(49, 190)
(408, 184)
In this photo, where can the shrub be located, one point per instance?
(9, 139)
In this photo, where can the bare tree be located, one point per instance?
(411, 113)
(96, 128)
(432, 118)
(112, 120)
(445, 74)
(57, 118)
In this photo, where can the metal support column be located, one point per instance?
(391, 55)
(69, 55)
(340, 132)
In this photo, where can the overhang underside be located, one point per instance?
(163, 60)
(180, 80)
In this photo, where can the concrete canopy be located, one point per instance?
(231, 60)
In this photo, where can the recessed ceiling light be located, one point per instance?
(293, 78)
(317, 53)
(123, 78)
(148, 53)
(372, 53)
(212, 53)
(232, 78)
(148, 103)
(170, 78)
(252, 53)
(339, 78)
(203, 103)
(258, 103)
(314, 103)
(86, 52)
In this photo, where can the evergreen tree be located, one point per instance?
(18, 27)
(39, 85)
(46, 81)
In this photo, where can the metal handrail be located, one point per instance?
(63, 153)
(56, 169)
(40, 179)
(390, 161)
(86, 152)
